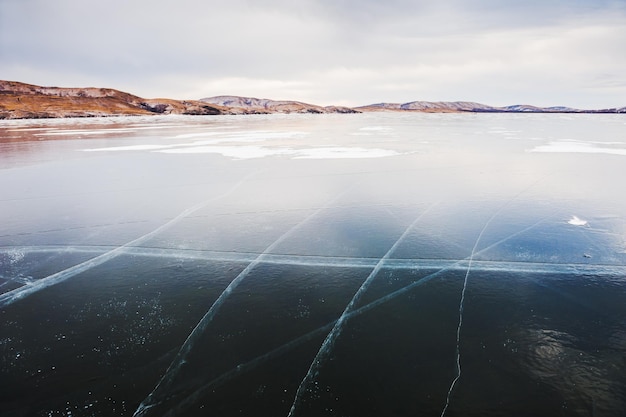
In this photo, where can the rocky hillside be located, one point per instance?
(250, 105)
(21, 101)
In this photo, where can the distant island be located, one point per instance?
(26, 101)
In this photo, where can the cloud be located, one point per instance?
(329, 52)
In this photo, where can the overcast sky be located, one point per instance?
(344, 52)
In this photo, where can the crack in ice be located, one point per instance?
(151, 400)
(462, 304)
(259, 360)
(56, 278)
(329, 342)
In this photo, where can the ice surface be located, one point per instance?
(531, 300)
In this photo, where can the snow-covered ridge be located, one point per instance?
(262, 105)
(472, 107)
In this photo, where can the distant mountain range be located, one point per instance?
(26, 101)
(471, 107)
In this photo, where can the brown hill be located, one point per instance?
(20, 101)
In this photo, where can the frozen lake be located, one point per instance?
(306, 265)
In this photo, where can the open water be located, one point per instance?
(311, 265)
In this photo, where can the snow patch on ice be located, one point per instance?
(128, 148)
(376, 128)
(87, 132)
(373, 130)
(244, 136)
(248, 152)
(579, 147)
(340, 152)
(235, 152)
(575, 221)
